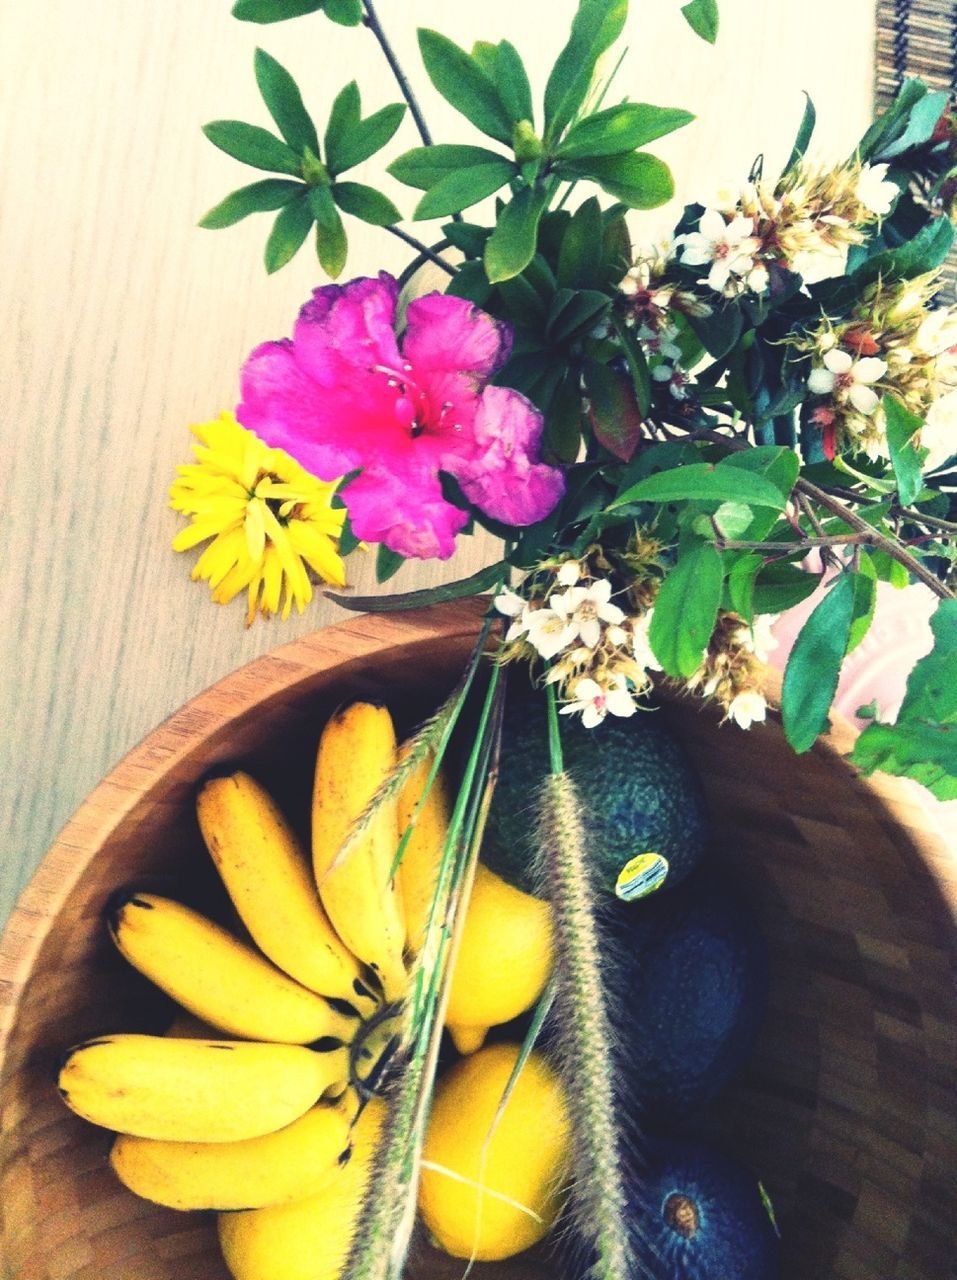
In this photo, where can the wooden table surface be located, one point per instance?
(123, 322)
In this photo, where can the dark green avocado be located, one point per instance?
(698, 1215)
(639, 790)
(687, 973)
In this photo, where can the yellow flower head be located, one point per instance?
(268, 519)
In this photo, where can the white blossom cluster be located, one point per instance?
(601, 659)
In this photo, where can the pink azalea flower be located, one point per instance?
(344, 393)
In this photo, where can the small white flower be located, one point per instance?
(820, 262)
(586, 608)
(569, 573)
(747, 708)
(644, 655)
(758, 278)
(730, 247)
(939, 433)
(549, 632)
(759, 639)
(848, 379)
(937, 332)
(509, 603)
(659, 342)
(617, 636)
(594, 702)
(874, 191)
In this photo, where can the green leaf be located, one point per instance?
(923, 742)
(639, 180)
(563, 420)
(511, 246)
(387, 563)
(811, 675)
(343, 118)
(360, 139)
(273, 10)
(290, 229)
(920, 126)
(703, 483)
(573, 311)
(612, 409)
(365, 203)
(906, 459)
(284, 103)
(637, 364)
(805, 130)
(331, 244)
(347, 13)
(890, 124)
(686, 609)
(462, 83)
(915, 257)
(423, 167)
(253, 146)
(618, 129)
(481, 581)
(511, 80)
(258, 197)
(865, 601)
(470, 282)
(775, 462)
(462, 188)
(702, 17)
(579, 258)
(780, 586)
(467, 236)
(595, 28)
(741, 578)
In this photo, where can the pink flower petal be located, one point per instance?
(406, 511)
(281, 406)
(504, 477)
(451, 334)
(343, 328)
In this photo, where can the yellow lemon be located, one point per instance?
(308, 1239)
(504, 960)
(489, 1197)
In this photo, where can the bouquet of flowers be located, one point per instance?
(675, 442)
(660, 434)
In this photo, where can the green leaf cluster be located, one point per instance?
(312, 194)
(348, 13)
(489, 86)
(922, 743)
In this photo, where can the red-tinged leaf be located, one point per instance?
(612, 409)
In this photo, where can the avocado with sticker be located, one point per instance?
(640, 794)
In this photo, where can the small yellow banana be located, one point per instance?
(196, 1090)
(357, 751)
(286, 1165)
(266, 873)
(308, 1239)
(218, 978)
(504, 959)
(419, 868)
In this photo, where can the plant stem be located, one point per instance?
(876, 539)
(372, 22)
(932, 522)
(422, 249)
(835, 540)
(844, 512)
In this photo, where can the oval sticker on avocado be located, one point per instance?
(640, 876)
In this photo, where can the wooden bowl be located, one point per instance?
(848, 1110)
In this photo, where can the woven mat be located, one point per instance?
(917, 38)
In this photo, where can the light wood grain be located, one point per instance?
(847, 1107)
(122, 322)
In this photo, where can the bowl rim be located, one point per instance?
(281, 671)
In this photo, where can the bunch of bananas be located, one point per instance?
(276, 1126)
